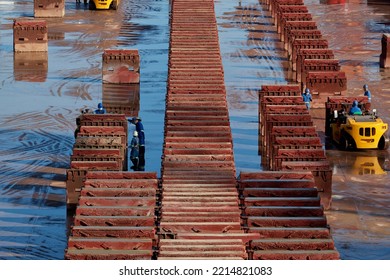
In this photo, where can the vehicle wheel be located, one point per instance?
(114, 5)
(344, 143)
(92, 5)
(383, 143)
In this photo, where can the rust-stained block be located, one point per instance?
(296, 255)
(103, 120)
(384, 59)
(116, 190)
(280, 90)
(201, 227)
(30, 35)
(292, 244)
(103, 254)
(102, 130)
(113, 231)
(275, 4)
(282, 201)
(98, 141)
(30, 68)
(298, 44)
(285, 211)
(270, 120)
(98, 151)
(320, 65)
(311, 54)
(99, 158)
(296, 25)
(331, 82)
(296, 232)
(291, 9)
(121, 67)
(49, 8)
(300, 34)
(281, 191)
(285, 17)
(95, 165)
(85, 210)
(117, 201)
(107, 243)
(294, 131)
(134, 221)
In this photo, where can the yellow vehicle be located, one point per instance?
(365, 131)
(360, 132)
(103, 4)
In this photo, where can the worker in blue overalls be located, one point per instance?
(141, 138)
(307, 98)
(367, 92)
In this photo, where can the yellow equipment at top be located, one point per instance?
(103, 4)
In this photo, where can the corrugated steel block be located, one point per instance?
(49, 8)
(30, 35)
(121, 67)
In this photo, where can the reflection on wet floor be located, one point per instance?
(30, 68)
(367, 165)
(38, 119)
(122, 99)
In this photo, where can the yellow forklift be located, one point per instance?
(363, 131)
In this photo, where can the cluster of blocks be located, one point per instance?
(100, 144)
(312, 61)
(115, 217)
(113, 209)
(283, 208)
(31, 35)
(200, 215)
(288, 140)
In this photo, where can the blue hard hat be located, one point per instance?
(100, 105)
(365, 86)
(307, 90)
(355, 103)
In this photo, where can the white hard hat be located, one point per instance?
(135, 133)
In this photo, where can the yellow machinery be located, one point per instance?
(103, 4)
(366, 131)
(367, 165)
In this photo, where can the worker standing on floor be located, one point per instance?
(141, 138)
(306, 96)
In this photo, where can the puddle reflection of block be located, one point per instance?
(121, 67)
(30, 68)
(30, 35)
(49, 8)
(384, 59)
(121, 99)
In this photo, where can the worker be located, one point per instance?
(100, 109)
(355, 110)
(134, 151)
(307, 98)
(367, 92)
(141, 137)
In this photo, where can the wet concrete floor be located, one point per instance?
(42, 95)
